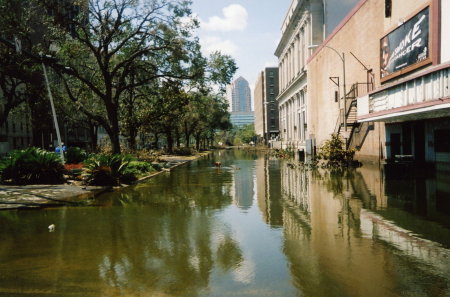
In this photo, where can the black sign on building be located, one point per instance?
(407, 47)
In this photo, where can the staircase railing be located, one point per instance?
(356, 90)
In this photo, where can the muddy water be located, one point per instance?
(255, 227)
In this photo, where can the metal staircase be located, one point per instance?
(350, 114)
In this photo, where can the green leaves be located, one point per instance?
(32, 166)
(113, 170)
(334, 153)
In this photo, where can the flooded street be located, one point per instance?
(258, 226)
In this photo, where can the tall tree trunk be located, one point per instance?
(177, 137)
(169, 138)
(187, 135)
(197, 141)
(93, 134)
(113, 131)
(156, 140)
(131, 139)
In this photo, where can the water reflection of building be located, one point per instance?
(243, 184)
(294, 184)
(344, 233)
(268, 190)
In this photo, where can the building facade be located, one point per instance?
(266, 106)
(306, 23)
(240, 99)
(393, 101)
(413, 100)
(340, 70)
(239, 119)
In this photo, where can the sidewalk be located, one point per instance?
(35, 196)
(32, 196)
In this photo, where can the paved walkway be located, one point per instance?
(30, 196)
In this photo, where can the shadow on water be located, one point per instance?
(256, 226)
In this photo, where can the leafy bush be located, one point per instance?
(183, 151)
(147, 155)
(334, 153)
(32, 166)
(157, 166)
(106, 169)
(112, 170)
(141, 166)
(135, 170)
(75, 155)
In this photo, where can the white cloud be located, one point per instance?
(211, 44)
(234, 19)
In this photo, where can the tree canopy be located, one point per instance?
(120, 61)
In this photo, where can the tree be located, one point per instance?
(166, 109)
(115, 38)
(20, 79)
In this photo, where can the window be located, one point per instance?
(387, 8)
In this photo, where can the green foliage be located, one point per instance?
(157, 166)
(334, 153)
(32, 166)
(183, 151)
(76, 155)
(106, 169)
(112, 170)
(283, 153)
(243, 135)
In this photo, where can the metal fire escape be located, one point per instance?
(350, 114)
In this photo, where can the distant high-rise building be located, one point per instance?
(239, 96)
(266, 106)
(241, 100)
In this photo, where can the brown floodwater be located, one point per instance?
(258, 226)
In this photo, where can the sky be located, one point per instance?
(248, 30)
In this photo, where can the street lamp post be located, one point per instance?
(342, 57)
(58, 135)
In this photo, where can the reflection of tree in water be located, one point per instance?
(338, 181)
(229, 255)
(173, 253)
(163, 241)
(180, 188)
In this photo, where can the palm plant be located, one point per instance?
(32, 166)
(106, 169)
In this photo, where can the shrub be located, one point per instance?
(334, 153)
(157, 166)
(183, 151)
(147, 155)
(75, 155)
(32, 166)
(135, 170)
(112, 170)
(141, 166)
